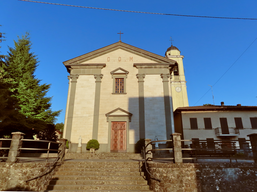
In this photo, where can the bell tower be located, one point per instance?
(178, 80)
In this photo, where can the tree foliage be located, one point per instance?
(24, 94)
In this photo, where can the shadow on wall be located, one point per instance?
(154, 113)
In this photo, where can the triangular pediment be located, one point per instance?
(118, 112)
(113, 47)
(119, 71)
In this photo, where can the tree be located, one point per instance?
(6, 102)
(59, 127)
(27, 95)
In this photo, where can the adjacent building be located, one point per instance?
(218, 122)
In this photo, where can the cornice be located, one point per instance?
(119, 45)
(152, 65)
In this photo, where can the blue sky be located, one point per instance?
(210, 46)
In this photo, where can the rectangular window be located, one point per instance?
(253, 122)
(193, 123)
(207, 123)
(119, 85)
(239, 123)
(224, 126)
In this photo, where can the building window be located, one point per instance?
(119, 85)
(119, 77)
(253, 122)
(193, 123)
(176, 72)
(224, 125)
(207, 123)
(239, 123)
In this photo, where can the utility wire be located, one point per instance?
(228, 69)
(143, 12)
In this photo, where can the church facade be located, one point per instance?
(119, 94)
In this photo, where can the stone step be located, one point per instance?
(103, 156)
(92, 177)
(102, 164)
(99, 182)
(84, 173)
(68, 169)
(96, 190)
(98, 187)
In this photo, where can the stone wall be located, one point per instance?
(14, 175)
(208, 177)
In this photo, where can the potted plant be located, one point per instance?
(92, 145)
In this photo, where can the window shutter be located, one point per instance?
(207, 123)
(193, 123)
(239, 123)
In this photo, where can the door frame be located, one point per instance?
(118, 119)
(122, 116)
(119, 140)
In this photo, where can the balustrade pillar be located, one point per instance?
(177, 150)
(253, 139)
(16, 143)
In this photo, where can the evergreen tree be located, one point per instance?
(4, 91)
(28, 96)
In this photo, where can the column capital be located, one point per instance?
(73, 78)
(165, 77)
(98, 77)
(140, 77)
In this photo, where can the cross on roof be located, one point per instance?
(120, 34)
(171, 41)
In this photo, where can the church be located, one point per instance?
(120, 93)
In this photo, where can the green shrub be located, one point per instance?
(139, 145)
(93, 144)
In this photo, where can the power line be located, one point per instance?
(228, 69)
(143, 12)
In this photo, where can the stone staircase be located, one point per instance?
(102, 172)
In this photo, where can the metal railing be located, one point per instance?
(48, 149)
(59, 149)
(231, 130)
(50, 168)
(217, 149)
(200, 149)
(5, 147)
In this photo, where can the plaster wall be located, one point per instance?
(110, 101)
(82, 123)
(154, 108)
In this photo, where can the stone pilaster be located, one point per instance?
(141, 105)
(167, 105)
(73, 83)
(98, 81)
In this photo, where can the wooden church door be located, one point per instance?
(118, 136)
